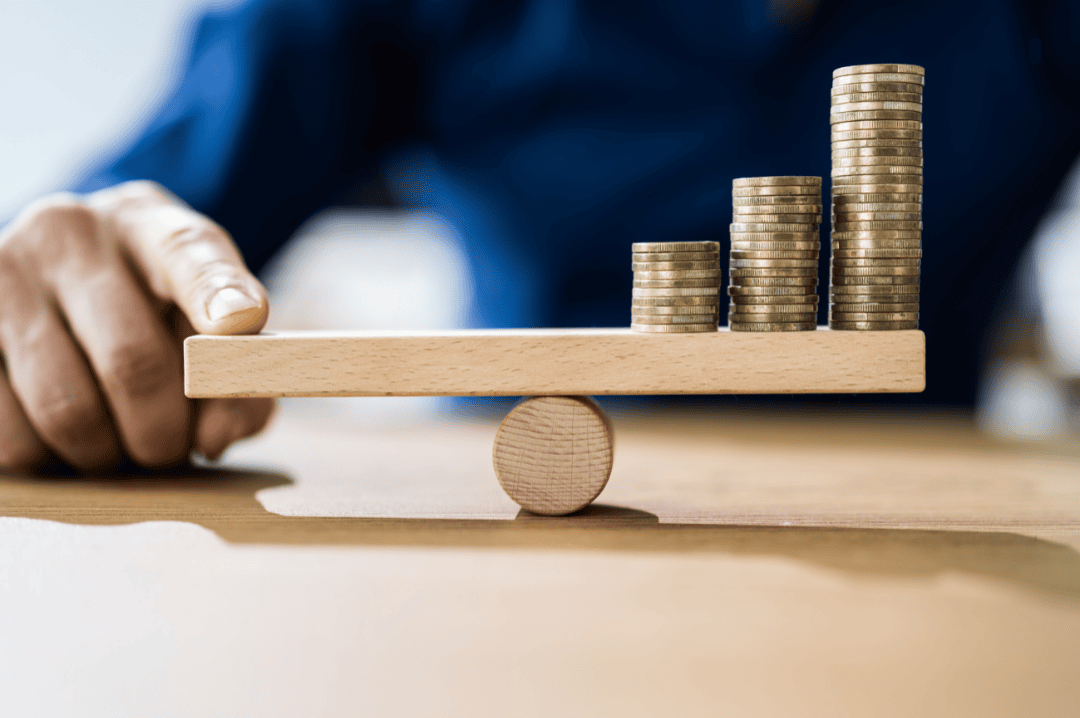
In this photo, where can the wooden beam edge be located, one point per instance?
(251, 366)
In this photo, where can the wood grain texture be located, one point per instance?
(871, 563)
(553, 454)
(566, 362)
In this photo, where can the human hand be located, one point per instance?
(98, 294)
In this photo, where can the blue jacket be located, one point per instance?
(552, 133)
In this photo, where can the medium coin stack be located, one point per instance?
(877, 181)
(774, 254)
(676, 287)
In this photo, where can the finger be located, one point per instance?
(137, 365)
(186, 258)
(20, 447)
(220, 422)
(51, 379)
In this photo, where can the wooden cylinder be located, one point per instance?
(553, 454)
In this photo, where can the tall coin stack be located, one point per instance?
(676, 287)
(774, 254)
(877, 181)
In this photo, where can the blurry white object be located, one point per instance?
(1056, 260)
(352, 269)
(1018, 399)
(1032, 396)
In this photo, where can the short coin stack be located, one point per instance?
(877, 173)
(676, 287)
(774, 254)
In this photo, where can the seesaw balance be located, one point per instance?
(553, 455)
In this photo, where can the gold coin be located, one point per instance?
(670, 266)
(746, 318)
(836, 145)
(676, 283)
(802, 212)
(854, 78)
(837, 109)
(875, 96)
(776, 181)
(802, 219)
(739, 227)
(895, 174)
(868, 289)
(875, 271)
(775, 237)
(873, 161)
(873, 326)
(875, 307)
(913, 199)
(740, 273)
(789, 190)
(676, 292)
(875, 254)
(675, 256)
(869, 69)
(876, 224)
(840, 118)
(674, 319)
(876, 300)
(741, 246)
(881, 176)
(645, 247)
(695, 301)
(683, 311)
(739, 293)
(890, 126)
(847, 281)
(854, 87)
(678, 274)
(772, 263)
(843, 184)
(774, 200)
(865, 192)
(777, 327)
(784, 299)
(755, 308)
(873, 316)
(877, 206)
(673, 328)
(806, 283)
(775, 254)
(875, 261)
(874, 135)
(877, 240)
(875, 216)
(878, 153)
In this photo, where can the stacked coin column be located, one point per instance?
(774, 254)
(676, 287)
(877, 180)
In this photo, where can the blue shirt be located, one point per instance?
(553, 133)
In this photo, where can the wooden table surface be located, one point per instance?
(768, 563)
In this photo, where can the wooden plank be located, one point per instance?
(519, 362)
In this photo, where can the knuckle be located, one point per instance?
(133, 194)
(68, 420)
(21, 452)
(57, 226)
(143, 189)
(137, 368)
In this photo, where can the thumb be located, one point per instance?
(185, 258)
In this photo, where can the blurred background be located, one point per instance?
(80, 81)
(87, 77)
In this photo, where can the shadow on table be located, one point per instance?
(224, 501)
